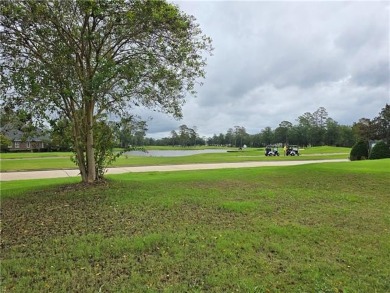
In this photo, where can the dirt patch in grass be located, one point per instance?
(66, 210)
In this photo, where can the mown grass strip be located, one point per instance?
(46, 161)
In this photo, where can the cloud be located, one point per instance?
(274, 61)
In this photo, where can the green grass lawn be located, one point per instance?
(47, 161)
(310, 228)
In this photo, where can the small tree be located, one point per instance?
(380, 151)
(87, 59)
(359, 151)
(4, 143)
(381, 124)
(60, 134)
(105, 142)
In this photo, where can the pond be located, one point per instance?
(173, 153)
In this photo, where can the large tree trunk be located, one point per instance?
(78, 145)
(91, 169)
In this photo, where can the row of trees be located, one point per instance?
(313, 129)
(377, 128)
(186, 136)
(124, 133)
(373, 137)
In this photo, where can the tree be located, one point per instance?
(229, 136)
(129, 131)
(174, 137)
(140, 132)
(221, 139)
(256, 140)
(304, 128)
(282, 132)
(311, 128)
(380, 150)
(346, 137)
(184, 135)
(4, 143)
(320, 117)
(239, 135)
(318, 130)
(359, 151)
(61, 134)
(123, 130)
(18, 119)
(381, 124)
(363, 129)
(21, 120)
(104, 150)
(85, 60)
(332, 132)
(193, 135)
(267, 135)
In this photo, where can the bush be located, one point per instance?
(4, 143)
(359, 151)
(380, 151)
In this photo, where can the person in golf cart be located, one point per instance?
(292, 150)
(275, 151)
(271, 150)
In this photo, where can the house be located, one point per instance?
(20, 141)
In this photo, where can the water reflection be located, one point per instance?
(173, 153)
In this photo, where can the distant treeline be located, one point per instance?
(313, 129)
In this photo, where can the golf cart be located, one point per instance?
(292, 150)
(271, 150)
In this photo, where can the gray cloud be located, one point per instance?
(274, 61)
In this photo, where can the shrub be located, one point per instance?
(380, 151)
(359, 151)
(4, 143)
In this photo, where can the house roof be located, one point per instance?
(18, 135)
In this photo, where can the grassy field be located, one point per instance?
(47, 161)
(310, 228)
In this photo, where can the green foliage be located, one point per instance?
(61, 134)
(375, 129)
(359, 151)
(314, 129)
(4, 143)
(84, 59)
(129, 131)
(104, 148)
(382, 124)
(381, 150)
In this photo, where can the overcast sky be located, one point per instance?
(274, 61)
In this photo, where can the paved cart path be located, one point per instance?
(8, 176)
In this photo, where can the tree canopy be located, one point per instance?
(86, 59)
